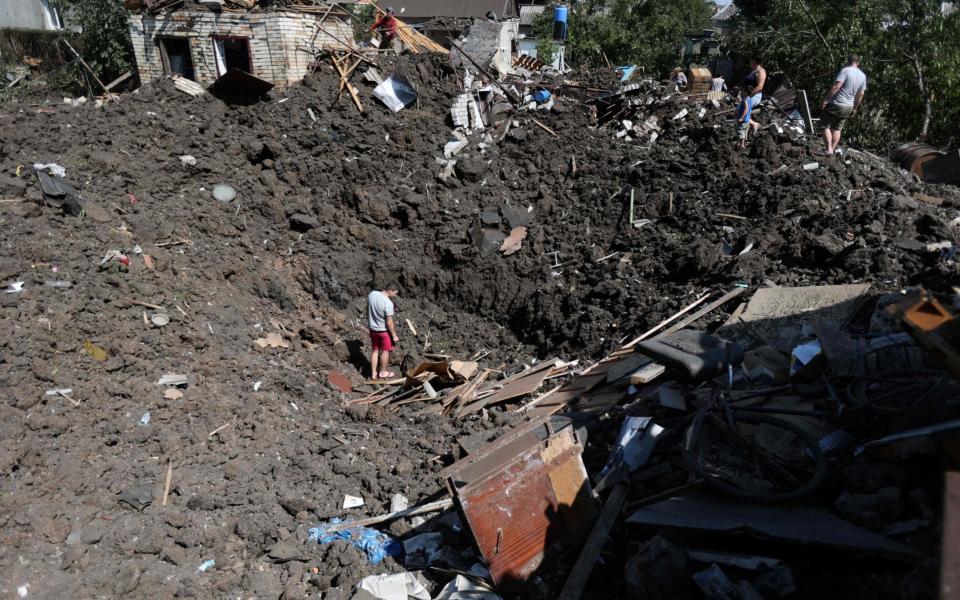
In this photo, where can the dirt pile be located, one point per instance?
(329, 203)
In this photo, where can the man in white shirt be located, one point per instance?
(383, 333)
(842, 101)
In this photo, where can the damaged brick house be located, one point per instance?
(204, 41)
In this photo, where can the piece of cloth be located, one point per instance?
(379, 307)
(376, 545)
(680, 79)
(756, 99)
(386, 26)
(854, 81)
(381, 341)
(835, 115)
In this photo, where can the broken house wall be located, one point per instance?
(278, 41)
(493, 43)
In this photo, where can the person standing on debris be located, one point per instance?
(842, 101)
(718, 84)
(755, 80)
(744, 109)
(386, 28)
(383, 333)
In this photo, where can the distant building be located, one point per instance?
(528, 38)
(416, 12)
(34, 15)
(722, 20)
(275, 45)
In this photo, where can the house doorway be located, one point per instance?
(177, 59)
(232, 53)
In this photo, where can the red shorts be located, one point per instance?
(381, 340)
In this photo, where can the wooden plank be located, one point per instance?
(805, 111)
(647, 374)
(518, 387)
(707, 309)
(350, 86)
(119, 80)
(626, 366)
(667, 321)
(577, 581)
(429, 507)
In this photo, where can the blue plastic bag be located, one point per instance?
(375, 544)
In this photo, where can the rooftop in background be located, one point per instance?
(529, 12)
(421, 9)
(724, 12)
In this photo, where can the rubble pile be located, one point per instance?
(184, 327)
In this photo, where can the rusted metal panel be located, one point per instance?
(519, 509)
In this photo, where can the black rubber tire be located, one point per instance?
(715, 420)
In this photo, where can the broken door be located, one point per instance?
(232, 53)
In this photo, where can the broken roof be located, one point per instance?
(418, 9)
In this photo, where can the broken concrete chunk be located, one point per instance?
(518, 216)
(302, 222)
(285, 551)
(137, 497)
(490, 218)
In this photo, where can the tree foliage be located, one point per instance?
(104, 40)
(908, 48)
(649, 33)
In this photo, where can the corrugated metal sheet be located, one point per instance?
(428, 9)
(529, 12)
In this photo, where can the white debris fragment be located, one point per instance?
(352, 501)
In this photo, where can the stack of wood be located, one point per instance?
(415, 41)
(460, 388)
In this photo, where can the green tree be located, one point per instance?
(649, 33)
(104, 40)
(908, 49)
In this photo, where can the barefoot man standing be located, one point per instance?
(383, 334)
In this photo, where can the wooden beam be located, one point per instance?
(666, 322)
(707, 309)
(86, 66)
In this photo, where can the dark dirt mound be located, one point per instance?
(325, 209)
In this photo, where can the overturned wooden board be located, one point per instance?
(776, 316)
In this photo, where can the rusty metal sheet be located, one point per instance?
(539, 500)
